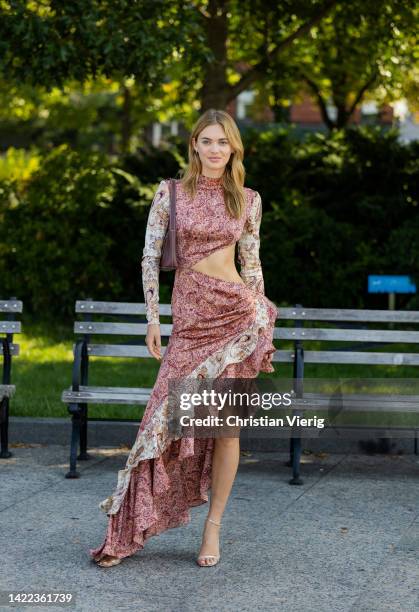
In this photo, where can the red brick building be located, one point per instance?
(306, 112)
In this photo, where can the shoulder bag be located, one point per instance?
(168, 259)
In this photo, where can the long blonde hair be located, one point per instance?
(234, 172)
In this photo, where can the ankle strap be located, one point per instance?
(211, 521)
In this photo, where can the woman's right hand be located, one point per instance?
(153, 340)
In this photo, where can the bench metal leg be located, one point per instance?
(289, 462)
(295, 455)
(83, 456)
(416, 443)
(298, 376)
(4, 428)
(75, 439)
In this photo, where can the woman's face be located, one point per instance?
(214, 150)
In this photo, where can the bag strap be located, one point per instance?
(172, 186)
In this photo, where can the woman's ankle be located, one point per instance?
(217, 518)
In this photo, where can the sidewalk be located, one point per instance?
(346, 540)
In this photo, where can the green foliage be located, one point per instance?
(50, 42)
(58, 239)
(18, 164)
(335, 210)
(367, 52)
(75, 229)
(90, 115)
(184, 53)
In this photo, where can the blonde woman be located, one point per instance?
(222, 327)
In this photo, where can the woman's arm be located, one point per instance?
(248, 247)
(158, 220)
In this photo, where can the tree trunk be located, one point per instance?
(215, 89)
(342, 117)
(126, 120)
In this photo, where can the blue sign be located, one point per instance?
(383, 283)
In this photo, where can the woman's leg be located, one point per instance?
(225, 462)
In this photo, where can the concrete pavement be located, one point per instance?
(346, 540)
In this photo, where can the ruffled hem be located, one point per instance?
(266, 348)
(260, 360)
(160, 494)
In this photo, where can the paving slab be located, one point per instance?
(346, 540)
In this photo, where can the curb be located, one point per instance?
(31, 430)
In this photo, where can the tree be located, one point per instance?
(186, 50)
(191, 55)
(47, 44)
(367, 51)
(247, 32)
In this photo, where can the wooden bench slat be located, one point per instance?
(347, 335)
(107, 395)
(123, 329)
(11, 306)
(119, 350)
(14, 349)
(280, 333)
(349, 314)
(118, 390)
(283, 356)
(135, 350)
(361, 357)
(360, 402)
(117, 308)
(320, 314)
(10, 327)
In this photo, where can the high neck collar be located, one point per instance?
(206, 182)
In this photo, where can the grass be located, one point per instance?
(44, 369)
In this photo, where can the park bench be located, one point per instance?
(347, 325)
(80, 394)
(8, 327)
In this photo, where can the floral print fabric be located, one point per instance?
(220, 329)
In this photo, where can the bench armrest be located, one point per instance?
(80, 365)
(7, 362)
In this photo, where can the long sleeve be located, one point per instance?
(158, 220)
(248, 248)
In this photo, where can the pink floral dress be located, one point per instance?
(221, 328)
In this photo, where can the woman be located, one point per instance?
(222, 327)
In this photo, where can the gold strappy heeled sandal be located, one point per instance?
(109, 562)
(215, 558)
